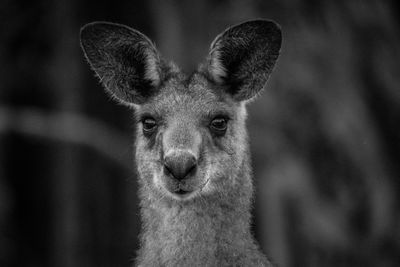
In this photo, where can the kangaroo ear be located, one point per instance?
(124, 59)
(243, 56)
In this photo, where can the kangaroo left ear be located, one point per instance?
(124, 59)
(243, 56)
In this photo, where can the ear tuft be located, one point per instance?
(124, 59)
(243, 56)
(216, 68)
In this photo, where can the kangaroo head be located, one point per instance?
(191, 137)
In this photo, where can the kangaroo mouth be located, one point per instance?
(182, 192)
(184, 189)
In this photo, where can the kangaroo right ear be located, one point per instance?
(124, 59)
(243, 56)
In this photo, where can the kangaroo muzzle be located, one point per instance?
(180, 164)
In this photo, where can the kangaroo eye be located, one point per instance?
(218, 125)
(149, 125)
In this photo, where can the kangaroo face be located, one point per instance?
(187, 138)
(191, 136)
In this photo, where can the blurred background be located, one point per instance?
(324, 135)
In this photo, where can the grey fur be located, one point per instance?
(209, 225)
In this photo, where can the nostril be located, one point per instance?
(180, 166)
(167, 170)
(192, 169)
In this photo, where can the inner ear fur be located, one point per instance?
(242, 57)
(124, 59)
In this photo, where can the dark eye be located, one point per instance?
(149, 125)
(218, 125)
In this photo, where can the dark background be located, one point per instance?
(324, 135)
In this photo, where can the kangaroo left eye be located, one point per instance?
(149, 125)
(219, 125)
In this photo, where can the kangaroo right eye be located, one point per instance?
(149, 126)
(218, 125)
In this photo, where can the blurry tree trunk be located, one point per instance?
(7, 245)
(65, 80)
(181, 27)
(168, 29)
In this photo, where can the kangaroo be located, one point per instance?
(192, 153)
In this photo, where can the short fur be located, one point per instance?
(203, 219)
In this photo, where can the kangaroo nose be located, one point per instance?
(180, 165)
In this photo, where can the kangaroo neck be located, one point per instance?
(184, 235)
